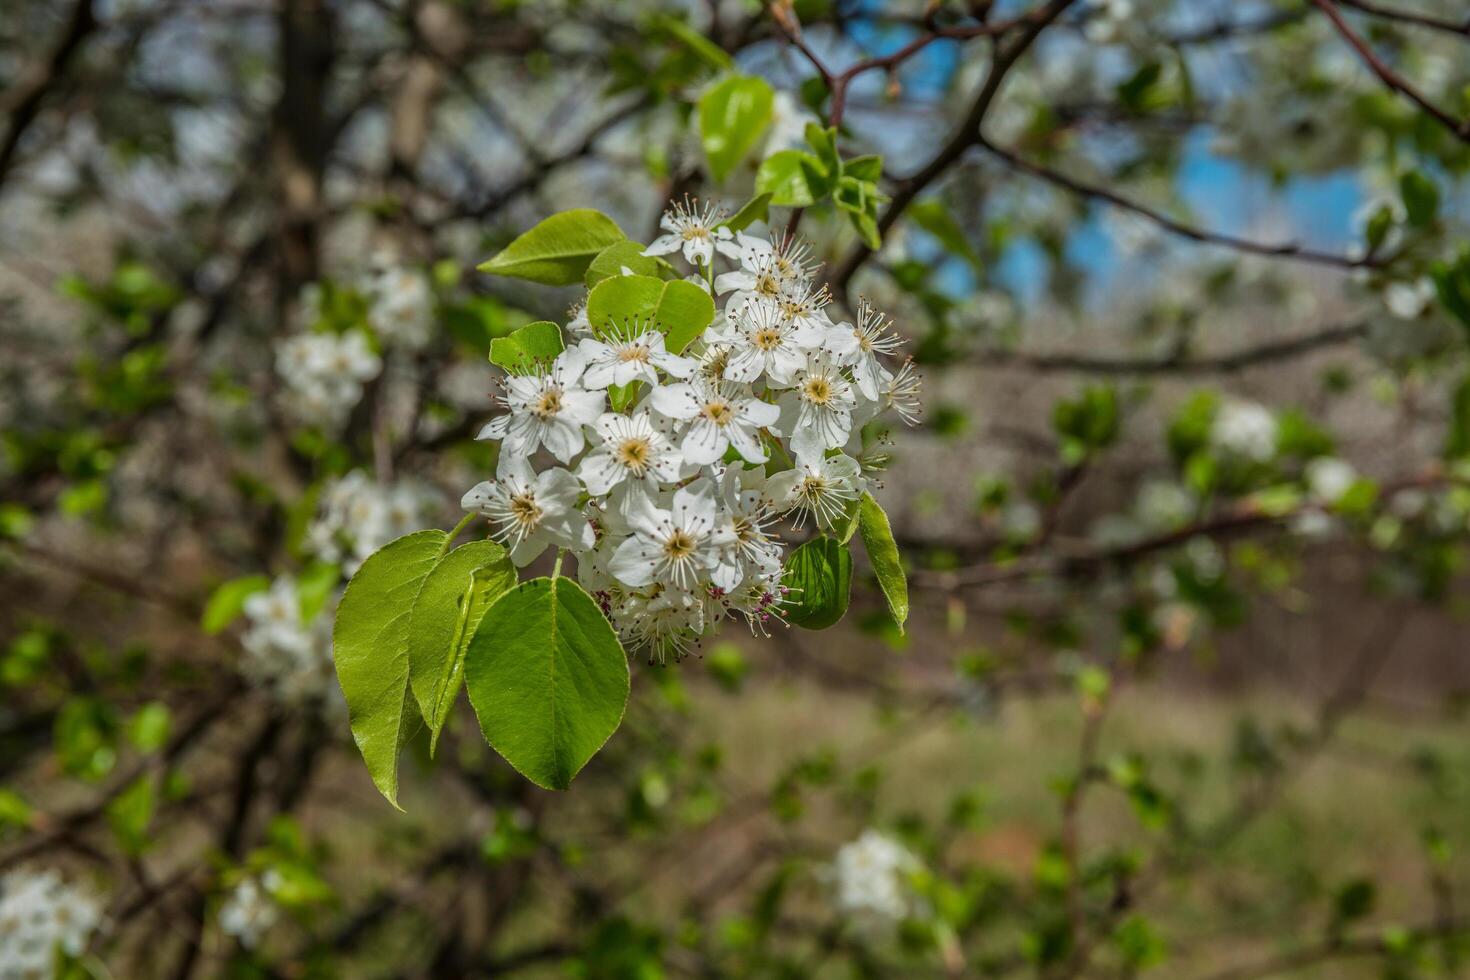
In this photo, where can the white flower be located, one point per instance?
(402, 310)
(357, 516)
(531, 511)
(1246, 429)
(816, 414)
(747, 508)
(548, 407)
(324, 374)
(630, 449)
(620, 357)
(823, 487)
(39, 914)
(767, 268)
(1164, 505)
(869, 877)
(1329, 478)
(285, 653)
(691, 230)
(872, 336)
(676, 547)
(1409, 300)
(720, 414)
(900, 392)
(762, 341)
(668, 622)
(248, 913)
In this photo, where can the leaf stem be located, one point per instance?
(556, 569)
(464, 522)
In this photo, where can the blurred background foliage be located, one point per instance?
(1184, 688)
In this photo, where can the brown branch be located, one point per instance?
(1239, 360)
(1288, 250)
(22, 103)
(1389, 77)
(1415, 18)
(965, 136)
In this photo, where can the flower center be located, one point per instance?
(634, 454)
(679, 545)
(817, 390)
(525, 511)
(694, 233)
(634, 352)
(767, 338)
(548, 404)
(715, 363)
(718, 412)
(767, 285)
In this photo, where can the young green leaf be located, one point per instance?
(791, 178)
(370, 649)
(547, 678)
(684, 311)
(228, 600)
(932, 216)
(557, 251)
(758, 208)
(733, 116)
(883, 554)
(535, 343)
(819, 574)
(612, 260)
(619, 299)
(1421, 198)
(446, 612)
(680, 309)
(708, 50)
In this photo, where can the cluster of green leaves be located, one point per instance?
(419, 621)
(802, 178)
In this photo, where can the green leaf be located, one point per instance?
(370, 648)
(446, 612)
(130, 813)
(846, 526)
(227, 601)
(733, 116)
(314, 587)
(680, 309)
(1421, 198)
(523, 349)
(619, 299)
(149, 727)
(758, 208)
(684, 311)
(932, 216)
(612, 260)
(1452, 283)
(867, 228)
(883, 553)
(865, 168)
(824, 142)
(792, 178)
(819, 573)
(547, 678)
(557, 251)
(708, 50)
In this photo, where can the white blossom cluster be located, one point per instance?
(401, 309)
(40, 913)
(663, 494)
(324, 374)
(1245, 429)
(358, 515)
(286, 652)
(870, 878)
(250, 911)
(324, 371)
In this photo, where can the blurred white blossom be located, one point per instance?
(41, 913)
